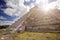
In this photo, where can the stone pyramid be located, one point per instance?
(39, 20)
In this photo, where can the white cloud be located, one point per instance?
(58, 3)
(17, 7)
(1, 17)
(10, 11)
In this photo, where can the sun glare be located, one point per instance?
(49, 6)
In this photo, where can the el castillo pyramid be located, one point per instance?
(38, 20)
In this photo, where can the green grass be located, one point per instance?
(37, 36)
(34, 36)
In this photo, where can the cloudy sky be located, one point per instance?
(13, 8)
(21, 5)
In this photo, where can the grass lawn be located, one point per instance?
(37, 36)
(34, 36)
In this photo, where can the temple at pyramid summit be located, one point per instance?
(39, 20)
